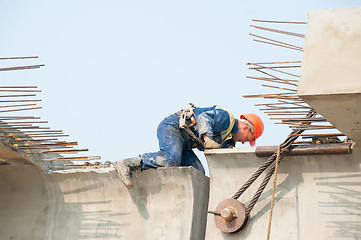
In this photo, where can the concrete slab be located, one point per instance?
(317, 197)
(332, 50)
(330, 72)
(167, 203)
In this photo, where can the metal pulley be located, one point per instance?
(230, 216)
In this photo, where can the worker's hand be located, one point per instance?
(210, 144)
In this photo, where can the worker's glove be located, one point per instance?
(210, 144)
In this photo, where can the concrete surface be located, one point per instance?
(168, 203)
(330, 71)
(317, 197)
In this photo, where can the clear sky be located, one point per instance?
(114, 69)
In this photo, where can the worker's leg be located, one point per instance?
(170, 144)
(189, 158)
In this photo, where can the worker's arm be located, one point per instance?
(209, 143)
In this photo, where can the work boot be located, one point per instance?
(125, 168)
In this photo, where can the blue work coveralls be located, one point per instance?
(212, 121)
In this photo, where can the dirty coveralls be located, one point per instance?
(212, 121)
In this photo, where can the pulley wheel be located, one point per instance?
(230, 216)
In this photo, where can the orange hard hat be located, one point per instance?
(257, 125)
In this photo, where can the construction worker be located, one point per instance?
(211, 128)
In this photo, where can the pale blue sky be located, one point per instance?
(115, 69)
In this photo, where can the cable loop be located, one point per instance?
(284, 147)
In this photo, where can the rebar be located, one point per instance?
(18, 117)
(285, 89)
(279, 45)
(23, 95)
(283, 43)
(272, 80)
(270, 21)
(22, 67)
(30, 100)
(279, 31)
(40, 136)
(276, 70)
(18, 87)
(289, 66)
(88, 158)
(9, 58)
(17, 90)
(286, 62)
(281, 102)
(64, 151)
(23, 109)
(19, 105)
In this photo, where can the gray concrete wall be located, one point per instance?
(168, 203)
(332, 50)
(317, 197)
(330, 73)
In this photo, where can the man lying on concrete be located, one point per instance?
(204, 128)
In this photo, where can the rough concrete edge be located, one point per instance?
(13, 157)
(230, 151)
(340, 94)
(96, 170)
(199, 216)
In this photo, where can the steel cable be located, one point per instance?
(285, 146)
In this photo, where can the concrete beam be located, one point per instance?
(330, 72)
(167, 203)
(316, 195)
